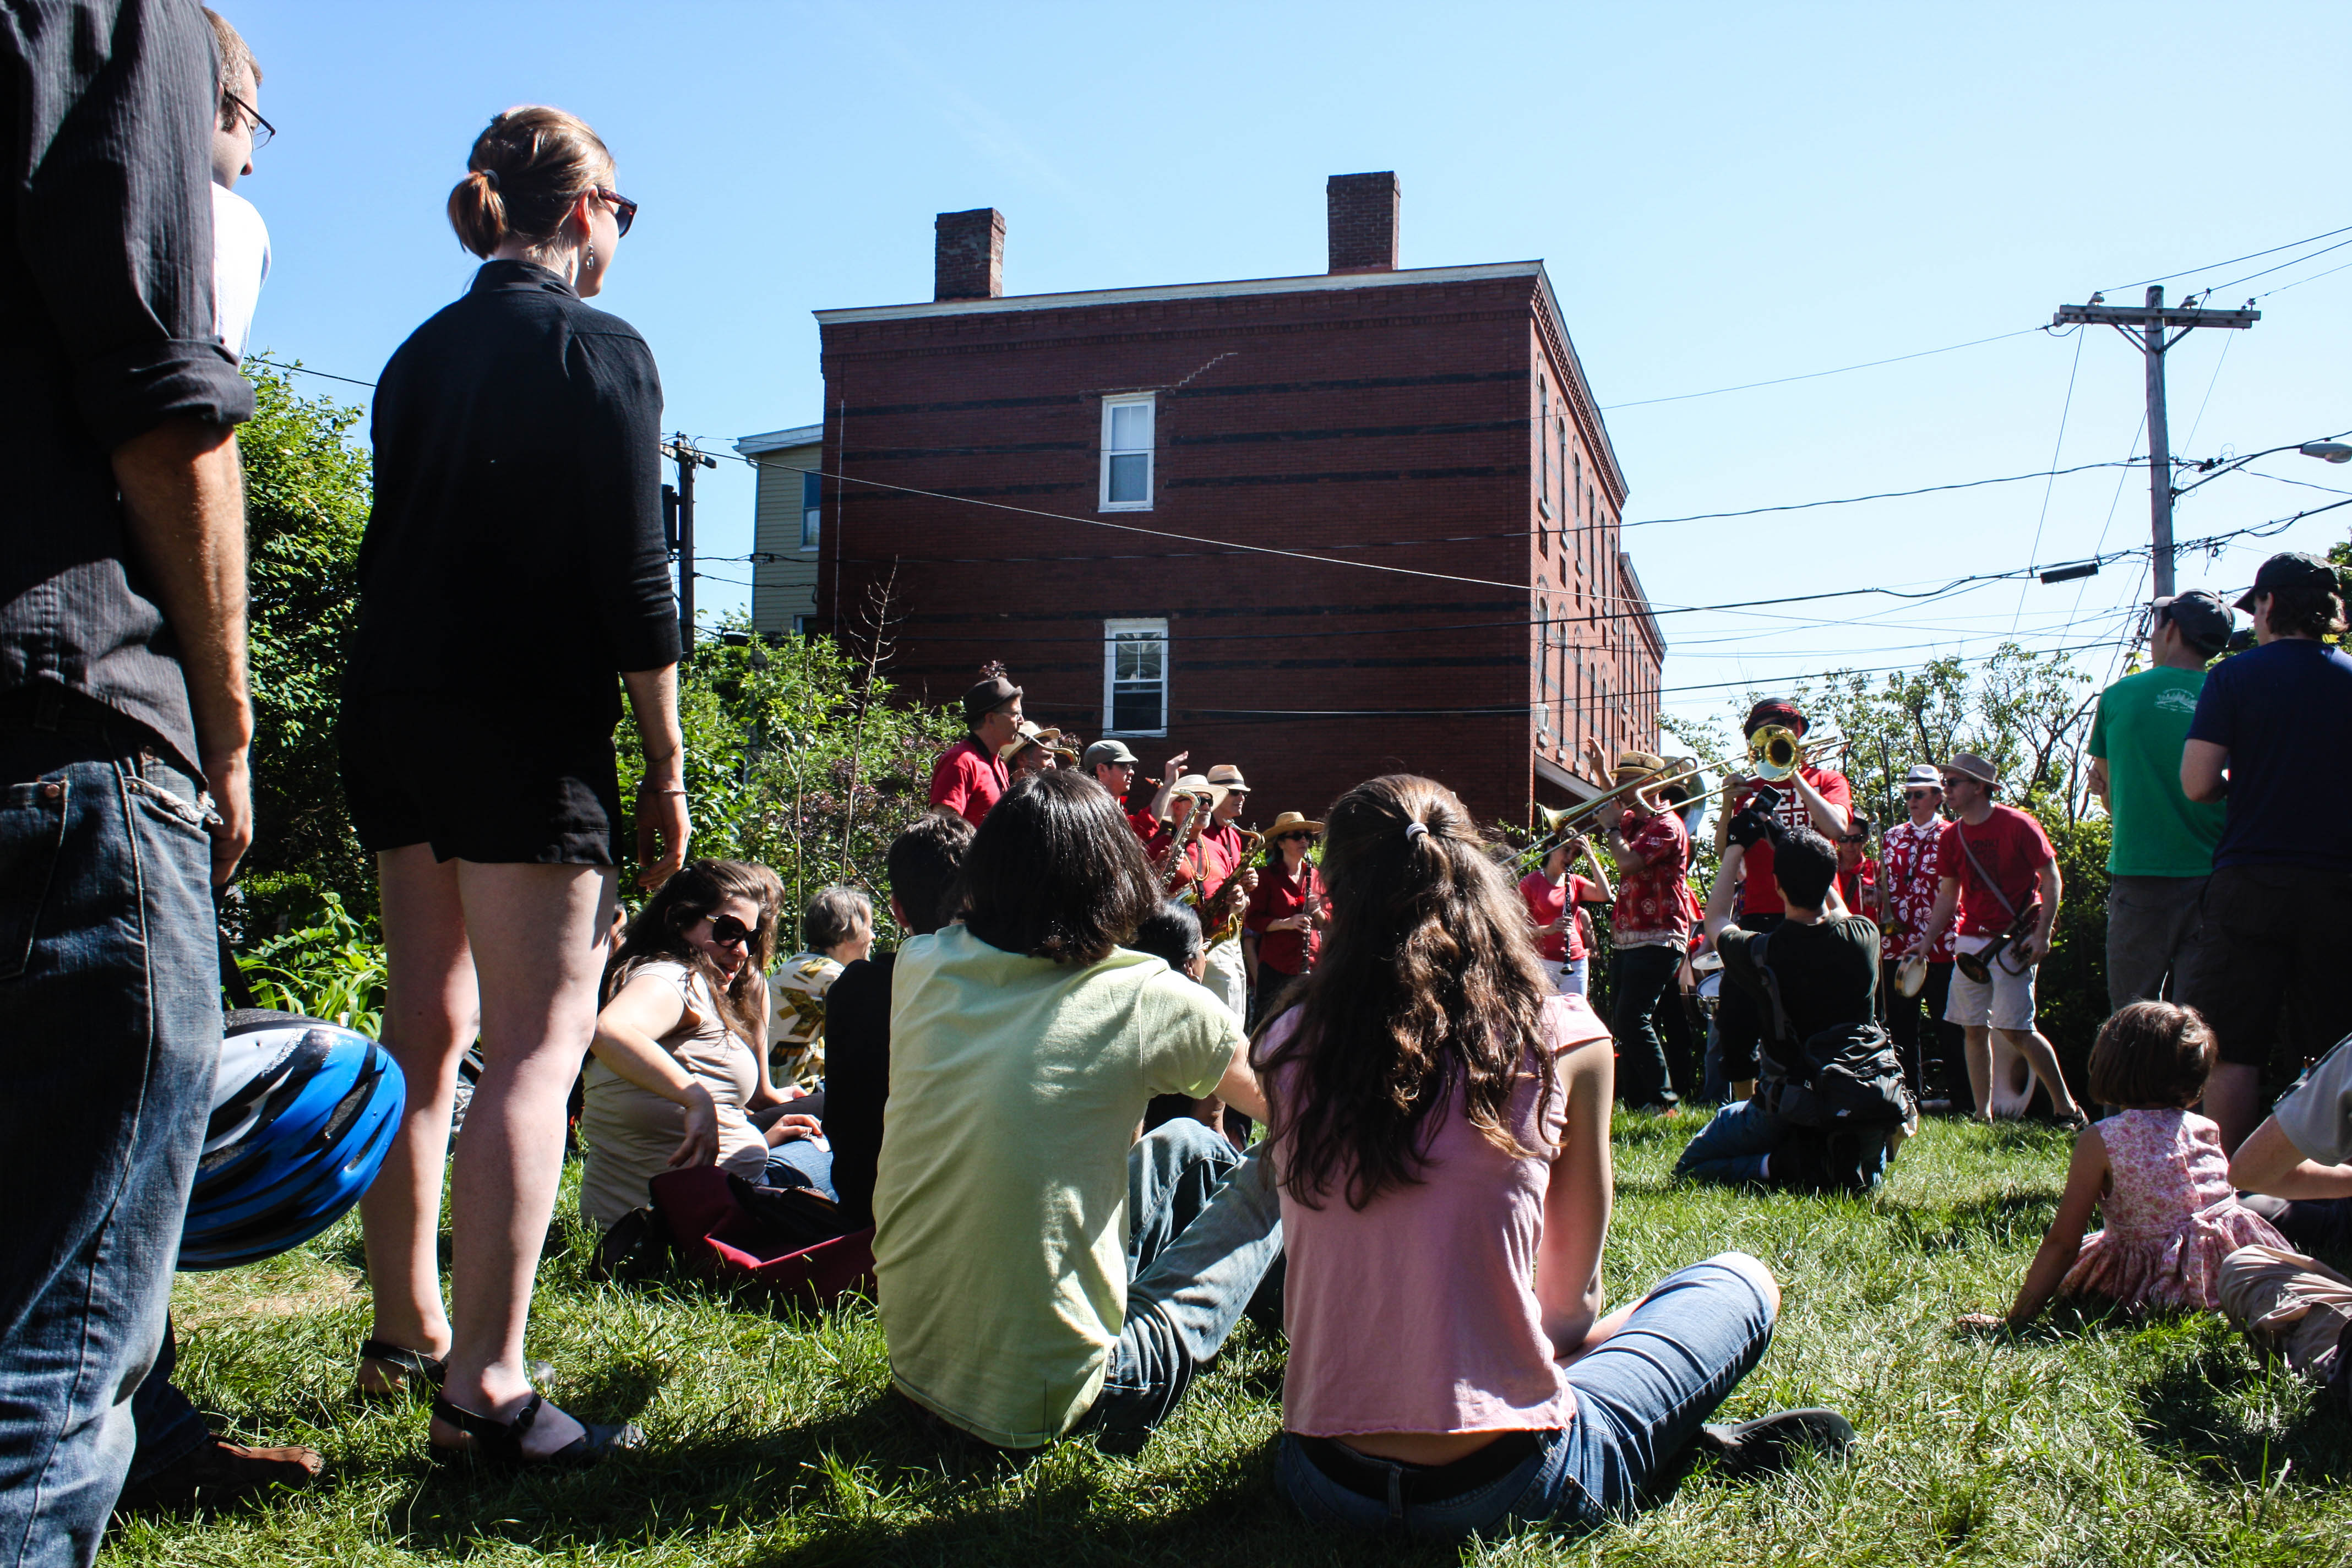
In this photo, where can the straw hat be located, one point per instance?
(1197, 784)
(1030, 735)
(1291, 822)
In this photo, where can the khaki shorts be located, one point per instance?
(2004, 1002)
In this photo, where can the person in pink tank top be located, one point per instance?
(1439, 1134)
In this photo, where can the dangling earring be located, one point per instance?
(590, 263)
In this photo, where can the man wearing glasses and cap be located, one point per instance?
(2272, 737)
(2162, 849)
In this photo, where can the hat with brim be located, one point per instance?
(1291, 822)
(2200, 617)
(1194, 784)
(1230, 776)
(1631, 765)
(2294, 569)
(1968, 766)
(1030, 735)
(1922, 775)
(1110, 753)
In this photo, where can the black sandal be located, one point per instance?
(417, 1372)
(500, 1442)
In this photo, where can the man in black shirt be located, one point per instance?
(925, 861)
(1824, 959)
(123, 725)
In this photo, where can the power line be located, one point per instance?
(2211, 266)
(306, 369)
(1817, 374)
(2282, 266)
(1882, 495)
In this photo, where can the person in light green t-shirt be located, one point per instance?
(2163, 841)
(1039, 1267)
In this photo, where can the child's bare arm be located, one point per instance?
(2085, 1179)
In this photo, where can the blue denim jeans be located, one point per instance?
(109, 1032)
(1203, 1225)
(800, 1163)
(1640, 1399)
(1731, 1148)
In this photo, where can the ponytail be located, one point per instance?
(524, 174)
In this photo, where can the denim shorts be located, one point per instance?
(1640, 1400)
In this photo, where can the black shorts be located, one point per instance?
(2267, 965)
(481, 782)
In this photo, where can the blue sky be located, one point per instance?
(1722, 194)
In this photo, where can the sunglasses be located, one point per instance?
(624, 211)
(1853, 837)
(262, 131)
(1922, 793)
(729, 932)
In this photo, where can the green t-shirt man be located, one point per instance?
(2140, 729)
(1000, 1200)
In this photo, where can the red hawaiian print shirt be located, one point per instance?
(1651, 909)
(1910, 875)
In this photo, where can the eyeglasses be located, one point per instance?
(1922, 793)
(1853, 837)
(729, 932)
(624, 211)
(262, 131)
(1951, 783)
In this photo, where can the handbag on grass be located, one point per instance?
(790, 1242)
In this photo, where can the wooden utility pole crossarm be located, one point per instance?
(2146, 326)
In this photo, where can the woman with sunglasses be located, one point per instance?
(677, 1063)
(1283, 923)
(513, 578)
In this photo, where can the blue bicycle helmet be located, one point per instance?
(303, 1113)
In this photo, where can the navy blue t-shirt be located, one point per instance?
(2284, 711)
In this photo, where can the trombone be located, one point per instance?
(1556, 819)
(1777, 751)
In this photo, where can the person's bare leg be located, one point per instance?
(428, 1021)
(538, 935)
(1979, 1045)
(2233, 1098)
(2043, 1058)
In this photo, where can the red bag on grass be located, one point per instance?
(725, 1239)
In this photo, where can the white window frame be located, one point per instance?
(812, 513)
(1150, 454)
(1112, 632)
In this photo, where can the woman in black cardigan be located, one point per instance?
(513, 579)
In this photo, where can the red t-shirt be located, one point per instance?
(1857, 886)
(1546, 901)
(1912, 871)
(1146, 826)
(1203, 864)
(1279, 895)
(1757, 895)
(1651, 905)
(2011, 847)
(968, 780)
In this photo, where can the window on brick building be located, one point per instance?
(1127, 452)
(812, 496)
(1135, 677)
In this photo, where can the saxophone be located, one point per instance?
(1231, 926)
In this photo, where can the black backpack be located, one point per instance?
(1845, 1076)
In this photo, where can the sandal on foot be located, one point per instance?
(1770, 1442)
(410, 1371)
(418, 1373)
(500, 1442)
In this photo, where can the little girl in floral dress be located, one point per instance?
(2154, 1170)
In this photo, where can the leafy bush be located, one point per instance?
(328, 966)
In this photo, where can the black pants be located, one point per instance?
(1931, 1050)
(1684, 1038)
(1738, 1023)
(1638, 977)
(2267, 968)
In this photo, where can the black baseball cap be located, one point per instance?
(2203, 619)
(2293, 569)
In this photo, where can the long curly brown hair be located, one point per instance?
(696, 890)
(1429, 980)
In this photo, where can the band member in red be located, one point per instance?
(1556, 895)
(1284, 927)
(1223, 901)
(1857, 871)
(1651, 925)
(1816, 798)
(969, 775)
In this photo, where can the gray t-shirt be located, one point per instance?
(2318, 1117)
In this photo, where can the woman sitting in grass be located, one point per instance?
(2155, 1172)
(1441, 1137)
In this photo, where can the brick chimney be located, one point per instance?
(1363, 221)
(970, 260)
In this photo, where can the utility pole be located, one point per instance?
(683, 452)
(2144, 326)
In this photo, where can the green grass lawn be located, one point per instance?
(2094, 1440)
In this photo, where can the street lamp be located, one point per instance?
(2326, 451)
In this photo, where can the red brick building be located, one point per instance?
(1430, 428)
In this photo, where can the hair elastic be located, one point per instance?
(1413, 830)
(489, 175)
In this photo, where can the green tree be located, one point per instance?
(307, 496)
